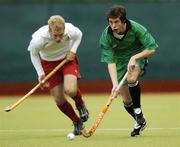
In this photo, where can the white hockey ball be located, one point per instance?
(70, 136)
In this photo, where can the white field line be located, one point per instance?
(66, 130)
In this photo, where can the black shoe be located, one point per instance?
(140, 118)
(138, 128)
(83, 112)
(78, 126)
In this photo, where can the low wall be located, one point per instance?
(93, 87)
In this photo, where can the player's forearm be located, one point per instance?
(35, 59)
(143, 54)
(113, 73)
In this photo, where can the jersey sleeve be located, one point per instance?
(34, 47)
(106, 51)
(75, 35)
(146, 39)
(36, 61)
(36, 44)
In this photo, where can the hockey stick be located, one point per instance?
(103, 111)
(9, 108)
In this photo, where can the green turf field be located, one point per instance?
(38, 123)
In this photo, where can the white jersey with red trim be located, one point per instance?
(42, 46)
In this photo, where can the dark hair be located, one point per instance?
(117, 11)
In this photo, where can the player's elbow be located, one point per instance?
(80, 34)
(151, 52)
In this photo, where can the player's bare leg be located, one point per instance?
(70, 85)
(58, 93)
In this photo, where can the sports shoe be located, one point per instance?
(138, 128)
(83, 112)
(78, 126)
(140, 118)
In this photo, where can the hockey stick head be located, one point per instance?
(103, 112)
(85, 133)
(7, 109)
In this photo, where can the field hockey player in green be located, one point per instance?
(125, 46)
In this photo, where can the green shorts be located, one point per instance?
(122, 68)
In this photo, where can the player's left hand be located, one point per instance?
(70, 56)
(131, 65)
(43, 85)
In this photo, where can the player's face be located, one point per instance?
(57, 36)
(117, 25)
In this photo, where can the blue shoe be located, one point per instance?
(83, 112)
(78, 126)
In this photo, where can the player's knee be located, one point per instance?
(131, 79)
(71, 92)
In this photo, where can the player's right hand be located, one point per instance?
(70, 56)
(131, 65)
(114, 91)
(43, 85)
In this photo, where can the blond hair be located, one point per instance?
(56, 23)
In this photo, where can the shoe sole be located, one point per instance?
(142, 129)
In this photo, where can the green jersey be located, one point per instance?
(119, 51)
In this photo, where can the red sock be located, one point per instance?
(78, 99)
(68, 110)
